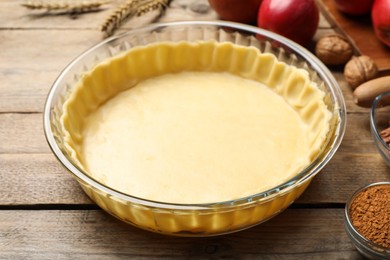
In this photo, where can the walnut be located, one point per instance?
(334, 49)
(359, 70)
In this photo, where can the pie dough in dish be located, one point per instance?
(193, 123)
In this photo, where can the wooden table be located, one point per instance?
(45, 215)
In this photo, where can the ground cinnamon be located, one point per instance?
(370, 214)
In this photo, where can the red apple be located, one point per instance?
(380, 16)
(354, 7)
(241, 11)
(294, 19)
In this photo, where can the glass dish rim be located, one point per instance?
(374, 107)
(300, 178)
(348, 220)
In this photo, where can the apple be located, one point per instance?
(241, 11)
(380, 16)
(356, 7)
(295, 19)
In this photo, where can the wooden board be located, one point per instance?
(361, 33)
(93, 234)
(44, 214)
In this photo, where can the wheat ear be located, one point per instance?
(66, 5)
(128, 9)
(116, 17)
(153, 5)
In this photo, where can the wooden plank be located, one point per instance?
(22, 133)
(360, 31)
(294, 234)
(31, 179)
(343, 175)
(26, 74)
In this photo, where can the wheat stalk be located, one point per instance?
(118, 16)
(66, 5)
(153, 5)
(128, 9)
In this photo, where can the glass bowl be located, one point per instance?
(367, 248)
(379, 121)
(203, 219)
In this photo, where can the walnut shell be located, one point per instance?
(334, 49)
(359, 70)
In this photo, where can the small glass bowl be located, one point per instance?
(365, 247)
(380, 120)
(199, 219)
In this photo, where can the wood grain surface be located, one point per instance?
(44, 214)
(93, 234)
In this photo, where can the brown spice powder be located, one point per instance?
(370, 214)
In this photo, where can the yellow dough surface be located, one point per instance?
(194, 123)
(195, 137)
